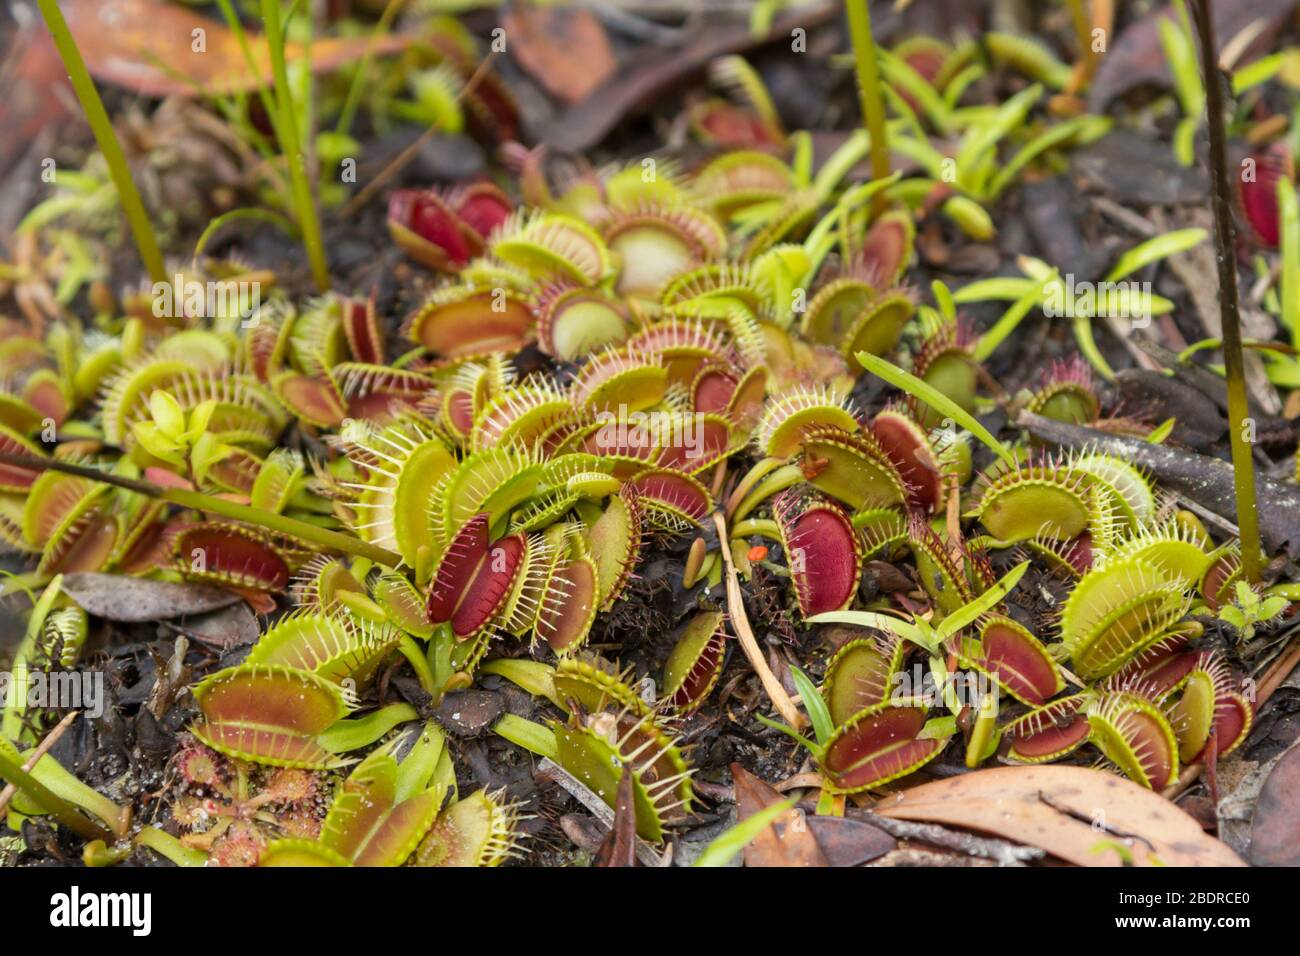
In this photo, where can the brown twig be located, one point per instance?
(1278, 672)
(41, 750)
(1001, 852)
(745, 634)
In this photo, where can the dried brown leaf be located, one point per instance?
(619, 846)
(153, 48)
(565, 49)
(116, 597)
(788, 841)
(1275, 831)
(1075, 813)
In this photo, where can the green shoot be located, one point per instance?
(285, 120)
(919, 631)
(1250, 609)
(132, 205)
(332, 540)
(350, 104)
(62, 810)
(357, 732)
(1104, 300)
(818, 713)
(869, 92)
(1032, 295)
(234, 215)
(1180, 51)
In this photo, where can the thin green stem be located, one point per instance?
(251, 212)
(1243, 466)
(873, 101)
(333, 540)
(286, 128)
(102, 127)
(1289, 283)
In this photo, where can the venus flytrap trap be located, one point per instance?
(609, 729)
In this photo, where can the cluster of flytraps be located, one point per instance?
(670, 322)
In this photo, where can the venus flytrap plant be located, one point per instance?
(863, 751)
(609, 730)
(577, 387)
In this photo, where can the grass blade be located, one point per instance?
(724, 847)
(132, 205)
(940, 402)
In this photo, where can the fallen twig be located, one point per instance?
(41, 750)
(745, 634)
(989, 848)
